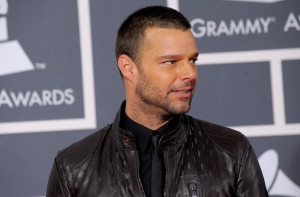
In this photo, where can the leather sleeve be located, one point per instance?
(56, 186)
(250, 180)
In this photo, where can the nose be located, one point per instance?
(188, 72)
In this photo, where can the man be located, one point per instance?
(153, 148)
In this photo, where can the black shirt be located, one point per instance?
(142, 136)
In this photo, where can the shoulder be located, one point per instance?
(229, 140)
(80, 151)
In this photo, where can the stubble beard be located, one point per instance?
(151, 96)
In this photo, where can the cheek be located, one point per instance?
(162, 77)
(167, 82)
(169, 76)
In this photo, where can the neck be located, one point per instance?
(146, 116)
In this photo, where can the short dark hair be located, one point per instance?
(131, 32)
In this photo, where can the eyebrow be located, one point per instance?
(196, 54)
(175, 56)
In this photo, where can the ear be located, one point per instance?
(126, 66)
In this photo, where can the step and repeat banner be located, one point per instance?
(59, 80)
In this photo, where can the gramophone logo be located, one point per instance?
(277, 182)
(46, 105)
(12, 55)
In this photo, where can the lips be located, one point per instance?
(183, 92)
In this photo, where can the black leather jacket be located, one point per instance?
(201, 159)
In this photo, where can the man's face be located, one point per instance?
(167, 71)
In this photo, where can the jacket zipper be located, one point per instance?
(192, 189)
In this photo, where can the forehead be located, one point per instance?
(165, 40)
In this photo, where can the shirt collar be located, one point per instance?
(143, 134)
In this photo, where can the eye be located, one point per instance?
(169, 62)
(193, 61)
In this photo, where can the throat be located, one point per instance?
(148, 118)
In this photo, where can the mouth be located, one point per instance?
(183, 92)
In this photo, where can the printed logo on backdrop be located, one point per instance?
(258, 1)
(277, 182)
(250, 33)
(12, 55)
(58, 92)
(260, 25)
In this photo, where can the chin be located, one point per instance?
(179, 109)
